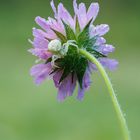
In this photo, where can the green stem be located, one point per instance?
(118, 110)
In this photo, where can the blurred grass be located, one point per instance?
(28, 112)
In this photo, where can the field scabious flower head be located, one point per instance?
(57, 44)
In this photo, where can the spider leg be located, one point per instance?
(64, 50)
(66, 46)
(72, 44)
(71, 41)
(54, 58)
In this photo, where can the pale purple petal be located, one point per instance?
(40, 72)
(92, 67)
(82, 15)
(111, 64)
(54, 8)
(102, 29)
(42, 23)
(66, 87)
(41, 53)
(99, 30)
(56, 78)
(75, 6)
(65, 16)
(51, 35)
(62, 92)
(85, 86)
(86, 80)
(40, 43)
(100, 41)
(93, 11)
(81, 93)
(56, 25)
(71, 84)
(106, 49)
(41, 34)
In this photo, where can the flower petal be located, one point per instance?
(100, 41)
(56, 25)
(106, 49)
(86, 85)
(65, 16)
(66, 87)
(40, 72)
(75, 6)
(111, 64)
(93, 11)
(54, 8)
(41, 53)
(42, 23)
(99, 30)
(80, 94)
(38, 33)
(41, 34)
(92, 67)
(40, 43)
(102, 29)
(82, 15)
(71, 84)
(56, 78)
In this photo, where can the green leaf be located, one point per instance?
(69, 32)
(84, 35)
(60, 36)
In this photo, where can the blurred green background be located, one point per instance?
(28, 112)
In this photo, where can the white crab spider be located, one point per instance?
(54, 46)
(59, 50)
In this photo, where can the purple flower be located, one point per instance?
(57, 44)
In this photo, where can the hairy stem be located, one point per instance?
(117, 108)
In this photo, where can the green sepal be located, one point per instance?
(69, 32)
(66, 72)
(96, 53)
(84, 35)
(77, 26)
(60, 36)
(48, 39)
(66, 64)
(89, 43)
(80, 70)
